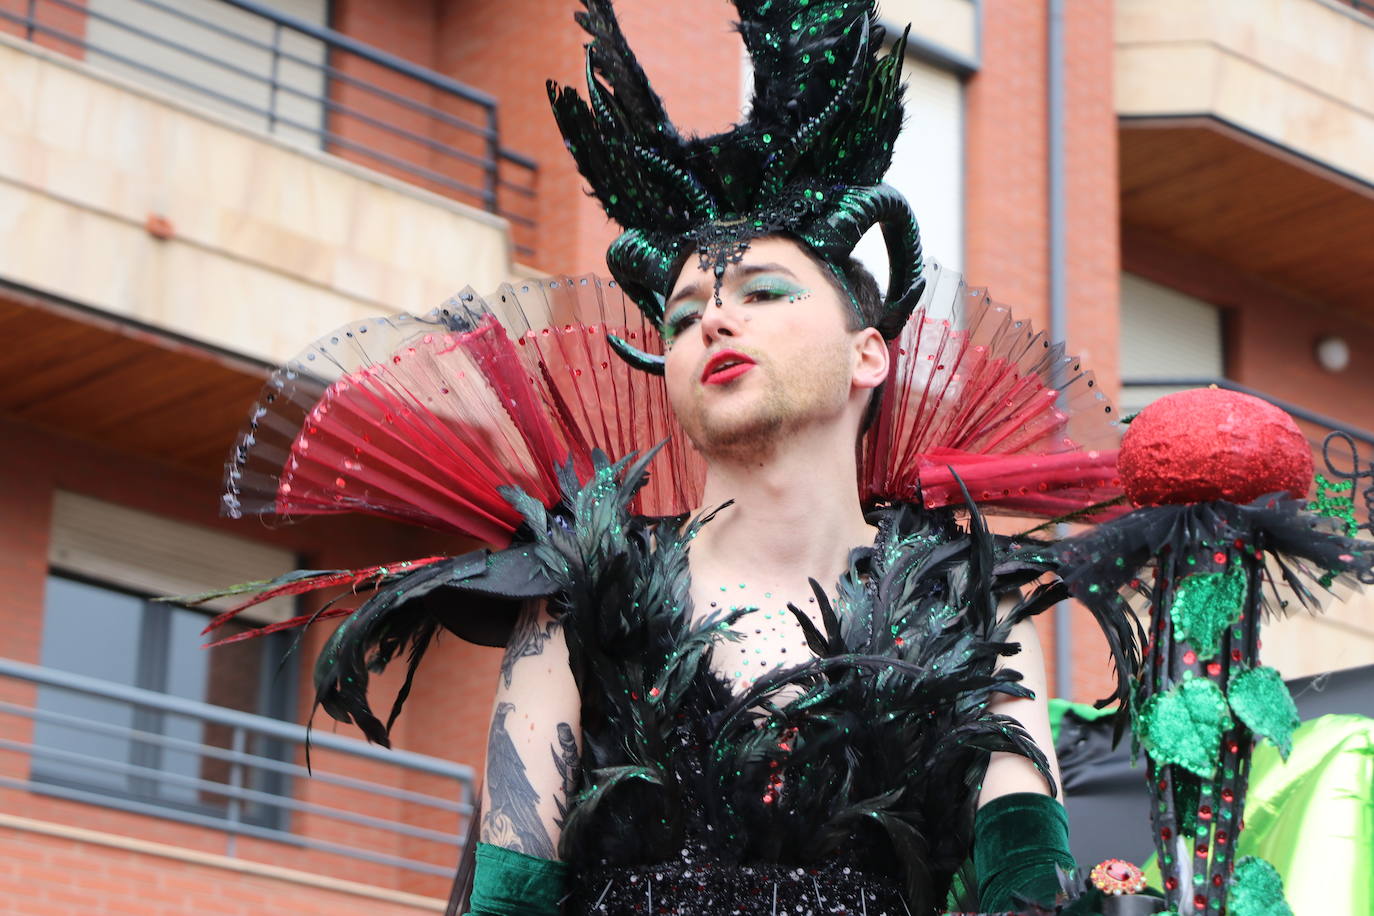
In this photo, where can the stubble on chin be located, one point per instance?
(753, 428)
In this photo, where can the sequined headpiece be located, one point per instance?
(807, 161)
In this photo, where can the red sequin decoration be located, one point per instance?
(1207, 444)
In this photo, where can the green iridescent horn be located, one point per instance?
(860, 209)
(637, 358)
(643, 266)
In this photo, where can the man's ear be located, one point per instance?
(873, 363)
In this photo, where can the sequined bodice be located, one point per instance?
(700, 881)
(860, 756)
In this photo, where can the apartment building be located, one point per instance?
(191, 192)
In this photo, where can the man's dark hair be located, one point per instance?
(854, 284)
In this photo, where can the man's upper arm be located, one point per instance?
(1008, 773)
(532, 746)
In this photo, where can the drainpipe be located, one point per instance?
(1058, 329)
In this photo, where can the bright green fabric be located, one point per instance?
(1018, 840)
(1084, 711)
(1312, 817)
(510, 883)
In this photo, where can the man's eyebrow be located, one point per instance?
(749, 270)
(690, 291)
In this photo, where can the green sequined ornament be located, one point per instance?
(1205, 605)
(1261, 700)
(1184, 726)
(1327, 503)
(1256, 890)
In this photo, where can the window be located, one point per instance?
(927, 165)
(99, 621)
(1165, 334)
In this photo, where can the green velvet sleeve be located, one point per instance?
(510, 883)
(1018, 840)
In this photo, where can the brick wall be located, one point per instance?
(44, 875)
(509, 50)
(1007, 208)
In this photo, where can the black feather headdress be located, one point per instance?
(807, 161)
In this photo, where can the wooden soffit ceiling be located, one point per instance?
(1205, 187)
(127, 388)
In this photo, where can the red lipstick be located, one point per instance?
(725, 366)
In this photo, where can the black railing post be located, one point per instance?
(272, 86)
(30, 20)
(493, 183)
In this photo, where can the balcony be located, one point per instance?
(139, 773)
(1247, 139)
(294, 79)
(239, 178)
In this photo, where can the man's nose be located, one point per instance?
(720, 319)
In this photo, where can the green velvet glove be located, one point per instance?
(510, 883)
(1018, 840)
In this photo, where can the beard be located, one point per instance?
(778, 398)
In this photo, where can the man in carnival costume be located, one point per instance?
(794, 701)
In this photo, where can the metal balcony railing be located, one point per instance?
(306, 83)
(230, 771)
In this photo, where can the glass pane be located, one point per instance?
(104, 633)
(187, 664)
(95, 632)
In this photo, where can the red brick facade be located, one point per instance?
(1007, 208)
(508, 50)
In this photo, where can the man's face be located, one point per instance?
(774, 355)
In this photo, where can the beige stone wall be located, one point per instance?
(950, 24)
(1298, 72)
(1342, 636)
(271, 245)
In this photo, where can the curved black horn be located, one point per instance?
(643, 266)
(858, 210)
(646, 362)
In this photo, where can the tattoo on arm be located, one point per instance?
(512, 820)
(526, 641)
(565, 758)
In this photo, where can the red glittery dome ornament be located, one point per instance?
(1209, 443)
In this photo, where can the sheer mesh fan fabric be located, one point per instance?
(425, 418)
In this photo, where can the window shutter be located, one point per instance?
(162, 557)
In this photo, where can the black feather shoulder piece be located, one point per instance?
(871, 750)
(807, 160)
